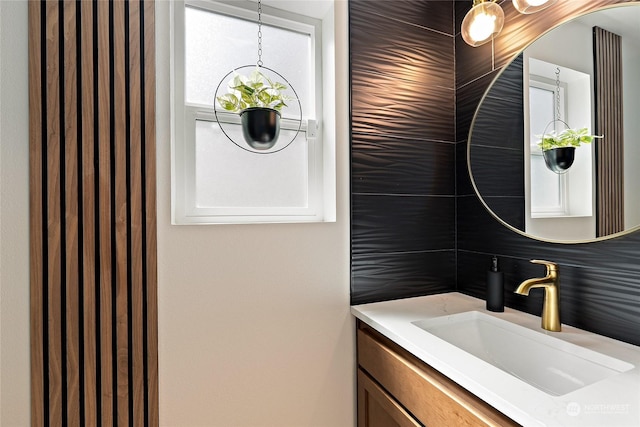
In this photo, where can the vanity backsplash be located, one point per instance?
(418, 227)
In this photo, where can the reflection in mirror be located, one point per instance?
(559, 75)
(558, 98)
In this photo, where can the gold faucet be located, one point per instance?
(550, 308)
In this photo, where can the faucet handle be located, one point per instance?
(551, 266)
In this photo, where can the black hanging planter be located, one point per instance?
(260, 127)
(560, 159)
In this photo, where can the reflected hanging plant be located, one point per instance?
(566, 138)
(559, 149)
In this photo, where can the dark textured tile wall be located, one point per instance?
(403, 151)
(409, 145)
(497, 147)
(600, 282)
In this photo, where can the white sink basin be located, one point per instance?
(547, 363)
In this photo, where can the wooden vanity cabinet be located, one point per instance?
(397, 389)
(376, 408)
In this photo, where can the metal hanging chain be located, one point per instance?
(259, 33)
(557, 93)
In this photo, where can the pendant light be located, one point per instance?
(532, 6)
(483, 22)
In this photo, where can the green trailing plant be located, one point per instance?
(254, 90)
(566, 138)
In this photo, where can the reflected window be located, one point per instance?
(548, 189)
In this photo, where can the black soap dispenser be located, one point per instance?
(495, 287)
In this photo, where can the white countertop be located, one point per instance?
(612, 402)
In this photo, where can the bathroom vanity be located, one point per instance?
(443, 360)
(391, 379)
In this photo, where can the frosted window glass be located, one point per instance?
(228, 176)
(217, 44)
(545, 187)
(542, 111)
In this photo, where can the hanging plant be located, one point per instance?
(259, 101)
(253, 91)
(566, 138)
(559, 149)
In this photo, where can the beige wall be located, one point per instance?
(254, 320)
(254, 323)
(14, 216)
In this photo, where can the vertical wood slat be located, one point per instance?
(609, 122)
(71, 286)
(35, 217)
(92, 198)
(149, 211)
(136, 179)
(52, 212)
(120, 218)
(89, 393)
(107, 400)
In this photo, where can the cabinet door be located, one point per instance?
(430, 397)
(377, 409)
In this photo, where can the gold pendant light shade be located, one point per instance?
(483, 22)
(532, 6)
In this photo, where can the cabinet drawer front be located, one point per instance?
(431, 397)
(377, 409)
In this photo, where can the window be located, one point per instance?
(548, 189)
(569, 194)
(214, 180)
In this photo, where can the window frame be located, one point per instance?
(184, 117)
(562, 209)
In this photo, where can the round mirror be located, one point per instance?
(577, 85)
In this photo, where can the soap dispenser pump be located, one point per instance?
(495, 287)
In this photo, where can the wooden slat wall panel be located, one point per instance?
(93, 225)
(88, 202)
(119, 214)
(103, 232)
(609, 122)
(36, 256)
(149, 241)
(71, 282)
(136, 386)
(51, 211)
